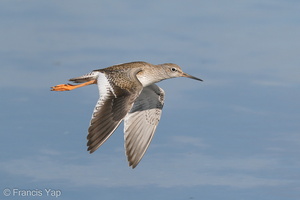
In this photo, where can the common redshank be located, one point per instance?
(127, 92)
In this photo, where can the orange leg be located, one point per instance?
(66, 87)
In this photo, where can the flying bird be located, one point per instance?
(127, 92)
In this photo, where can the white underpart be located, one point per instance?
(104, 89)
(104, 86)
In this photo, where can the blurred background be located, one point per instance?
(234, 136)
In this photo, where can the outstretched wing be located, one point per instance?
(141, 122)
(113, 105)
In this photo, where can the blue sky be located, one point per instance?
(234, 136)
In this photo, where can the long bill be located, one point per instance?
(190, 76)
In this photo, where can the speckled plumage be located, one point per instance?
(127, 92)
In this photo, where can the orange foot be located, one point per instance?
(67, 87)
(63, 87)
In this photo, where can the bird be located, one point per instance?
(127, 92)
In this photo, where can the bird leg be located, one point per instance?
(67, 87)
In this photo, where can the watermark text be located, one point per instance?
(46, 192)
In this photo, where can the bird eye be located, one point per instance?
(173, 69)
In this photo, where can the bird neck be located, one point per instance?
(152, 75)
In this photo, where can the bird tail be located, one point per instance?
(87, 77)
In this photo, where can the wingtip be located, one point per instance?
(132, 165)
(90, 150)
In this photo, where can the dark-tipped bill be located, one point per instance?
(189, 76)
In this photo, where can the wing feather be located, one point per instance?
(113, 105)
(141, 122)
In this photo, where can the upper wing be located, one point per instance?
(114, 103)
(141, 122)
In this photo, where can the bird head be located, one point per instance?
(173, 71)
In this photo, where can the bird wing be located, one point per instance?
(141, 122)
(114, 103)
